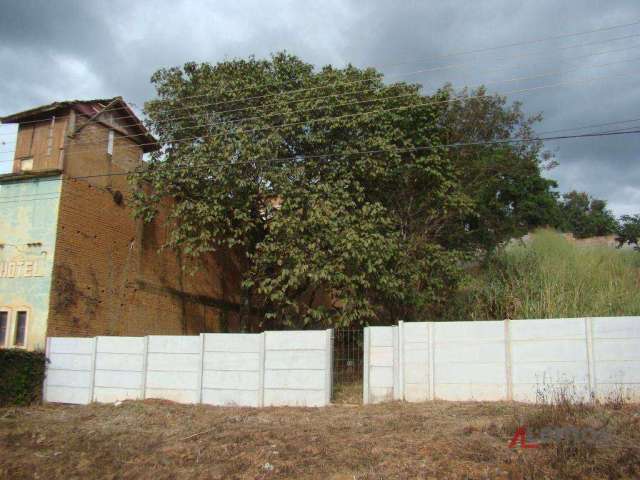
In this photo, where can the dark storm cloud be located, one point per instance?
(70, 49)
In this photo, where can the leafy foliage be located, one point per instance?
(629, 230)
(510, 195)
(21, 376)
(585, 216)
(334, 191)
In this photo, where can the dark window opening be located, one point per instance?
(4, 320)
(21, 329)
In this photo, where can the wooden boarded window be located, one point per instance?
(110, 142)
(50, 136)
(26, 164)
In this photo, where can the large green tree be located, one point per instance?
(335, 191)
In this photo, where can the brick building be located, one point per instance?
(73, 260)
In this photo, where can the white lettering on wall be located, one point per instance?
(21, 269)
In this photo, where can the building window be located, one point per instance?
(26, 164)
(21, 329)
(4, 327)
(110, 142)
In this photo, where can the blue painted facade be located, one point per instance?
(28, 224)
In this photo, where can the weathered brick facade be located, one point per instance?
(110, 279)
(109, 275)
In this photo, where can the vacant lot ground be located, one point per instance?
(157, 439)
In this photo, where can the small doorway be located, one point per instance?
(347, 365)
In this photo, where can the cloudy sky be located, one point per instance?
(86, 49)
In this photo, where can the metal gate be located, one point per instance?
(347, 365)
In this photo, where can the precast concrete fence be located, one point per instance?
(503, 360)
(413, 361)
(271, 368)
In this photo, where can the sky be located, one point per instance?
(85, 49)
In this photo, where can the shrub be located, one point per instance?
(21, 376)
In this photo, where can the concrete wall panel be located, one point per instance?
(119, 368)
(295, 340)
(234, 397)
(496, 360)
(294, 398)
(70, 373)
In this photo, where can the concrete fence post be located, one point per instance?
(47, 353)
(365, 365)
(261, 365)
(401, 360)
(92, 386)
(328, 384)
(396, 363)
(591, 366)
(145, 362)
(431, 359)
(200, 377)
(507, 360)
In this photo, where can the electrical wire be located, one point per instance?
(370, 112)
(460, 53)
(509, 141)
(392, 97)
(424, 71)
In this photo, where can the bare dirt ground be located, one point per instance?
(163, 440)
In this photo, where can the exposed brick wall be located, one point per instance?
(109, 278)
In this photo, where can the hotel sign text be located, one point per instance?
(21, 269)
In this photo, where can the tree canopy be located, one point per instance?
(585, 216)
(629, 231)
(342, 197)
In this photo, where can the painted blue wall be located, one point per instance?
(28, 223)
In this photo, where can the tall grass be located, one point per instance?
(551, 278)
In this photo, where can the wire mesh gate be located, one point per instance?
(347, 365)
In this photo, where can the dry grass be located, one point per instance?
(551, 278)
(347, 393)
(157, 439)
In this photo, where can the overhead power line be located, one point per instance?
(584, 127)
(369, 112)
(453, 54)
(355, 92)
(359, 81)
(367, 101)
(48, 195)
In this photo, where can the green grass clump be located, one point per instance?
(552, 278)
